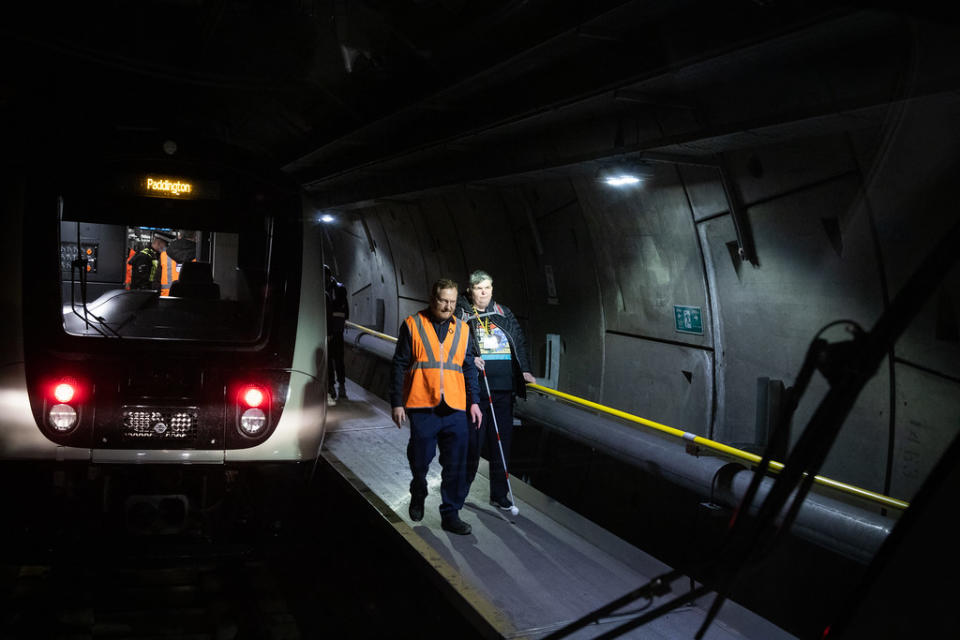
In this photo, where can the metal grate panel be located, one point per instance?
(160, 423)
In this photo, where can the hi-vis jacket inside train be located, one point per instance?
(143, 268)
(169, 272)
(434, 371)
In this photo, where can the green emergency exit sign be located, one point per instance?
(688, 319)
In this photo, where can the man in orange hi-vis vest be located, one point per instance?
(434, 384)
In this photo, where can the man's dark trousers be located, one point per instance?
(484, 441)
(447, 428)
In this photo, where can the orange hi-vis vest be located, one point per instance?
(436, 373)
(129, 274)
(169, 272)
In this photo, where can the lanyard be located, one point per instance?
(483, 323)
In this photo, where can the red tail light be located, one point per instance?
(65, 391)
(253, 396)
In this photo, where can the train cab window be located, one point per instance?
(164, 283)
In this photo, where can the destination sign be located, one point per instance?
(168, 187)
(177, 187)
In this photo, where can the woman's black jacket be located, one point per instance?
(503, 318)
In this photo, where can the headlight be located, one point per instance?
(62, 417)
(252, 421)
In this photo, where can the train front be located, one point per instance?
(173, 314)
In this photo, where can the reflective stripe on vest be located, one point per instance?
(153, 266)
(436, 374)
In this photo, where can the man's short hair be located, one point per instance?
(442, 283)
(479, 276)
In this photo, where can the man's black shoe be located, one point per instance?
(504, 503)
(416, 508)
(456, 525)
(342, 395)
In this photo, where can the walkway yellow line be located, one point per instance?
(690, 437)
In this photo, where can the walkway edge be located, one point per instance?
(470, 602)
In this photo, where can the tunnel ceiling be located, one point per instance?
(376, 98)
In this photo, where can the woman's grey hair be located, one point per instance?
(479, 276)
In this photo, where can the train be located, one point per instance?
(170, 394)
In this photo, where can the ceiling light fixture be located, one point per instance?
(622, 180)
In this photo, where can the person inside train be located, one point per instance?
(145, 264)
(434, 384)
(338, 311)
(184, 248)
(178, 253)
(504, 362)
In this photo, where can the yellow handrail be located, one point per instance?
(382, 336)
(717, 446)
(690, 437)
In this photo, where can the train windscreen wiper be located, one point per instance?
(81, 264)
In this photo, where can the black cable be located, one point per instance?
(655, 587)
(854, 323)
(778, 442)
(667, 607)
(860, 360)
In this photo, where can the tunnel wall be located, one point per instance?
(839, 222)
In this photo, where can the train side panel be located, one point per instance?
(299, 433)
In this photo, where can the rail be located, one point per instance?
(364, 329)
(689, 437)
